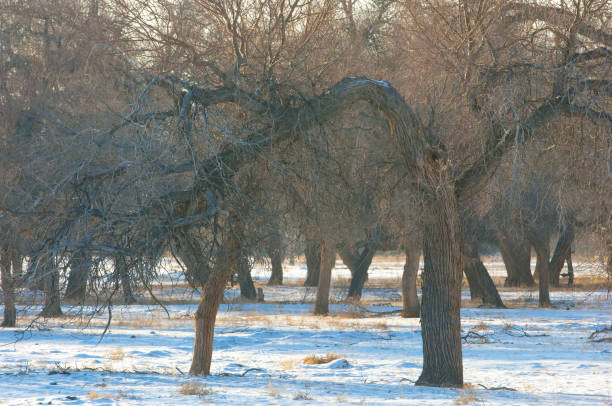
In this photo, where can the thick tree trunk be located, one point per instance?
(313, 262)
(247, 288)
(328, 260)
(79, 275)
(52, 306)
(410, 300)
(8, 289)
(358, 264)
(212, 295)
(542, 269)
(122, 273)
(562, 250)
(480, 282)
(517, 258)
(274, 250)
(440, 306)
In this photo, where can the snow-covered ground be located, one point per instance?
(518, 356)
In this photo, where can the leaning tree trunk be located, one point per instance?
(542, 269)
(517, 259)
(562, 250)
(328, 260)
(480, 282)
(212, 294)
(274, 250)
(358, 264)
(8, 289)
(78, 277)
(313, 262)
(52, 306)
(443, 269)
(247, 288)
(410, 300)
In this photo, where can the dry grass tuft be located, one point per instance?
(273, 391)
(320, 359)
(482, 326)
(467, 397)
(381, 325)
(106, 395)
(289, 364)
(194, 388)
(302, 396)
(116, 355)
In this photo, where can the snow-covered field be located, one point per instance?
(518, 356)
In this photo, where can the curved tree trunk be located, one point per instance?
(517, 259)
(313, 262)
(358, 264)
(275, 252)
(228, 257)
(410, 300)
(542, 269)
(78, 277)
(563, 249)
(443, 269)
(328, 260)
(8, 289)
(247, 288)
(480, 282)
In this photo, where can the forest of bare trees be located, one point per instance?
(214, 131)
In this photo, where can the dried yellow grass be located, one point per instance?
(320, 359)
(467, 397)
(482, 326)
(302, 396)
(289, 364)
(116, 355)
(194, 388)
(106, 395)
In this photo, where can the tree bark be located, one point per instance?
(52, 307)
(122, 273)
(542, 269)
(358, 264)
(212, 294)
(247, 288)
(328, 260)
(440, 306)
(410, 300)
(79, 275)
(275, 252)
(480, 282)
(313, 262)
(562, 250)
(517, 259)
(8, 289)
